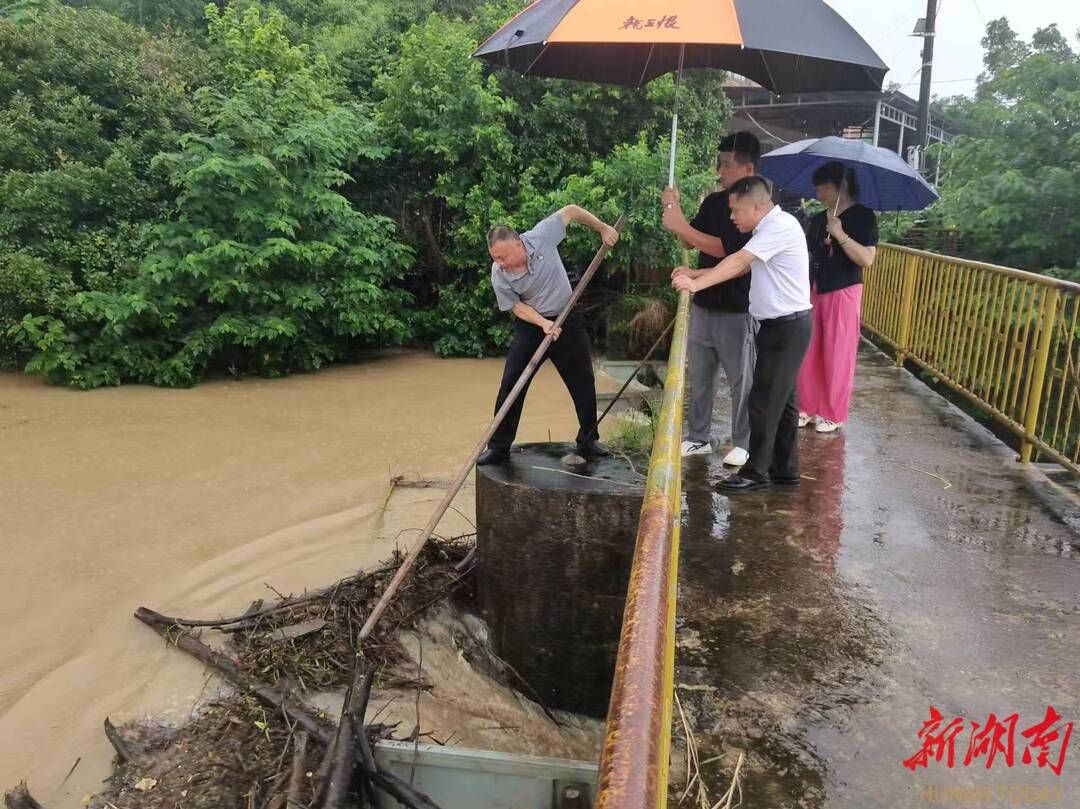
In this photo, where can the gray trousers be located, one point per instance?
(720, 340)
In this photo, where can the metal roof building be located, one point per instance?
(887, 119)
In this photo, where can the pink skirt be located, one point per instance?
(828, 371)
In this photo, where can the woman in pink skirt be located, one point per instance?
(842, 240)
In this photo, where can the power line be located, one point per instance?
(897, 22)
(942, 81)
(905, 51)
(893, 95)
(753, 120)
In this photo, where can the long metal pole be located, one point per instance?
(634, 373)
(675, 119)
(637, 742)
(455, 487)
(927, 67)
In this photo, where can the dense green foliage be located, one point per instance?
(191, 188)
(262, 188)
(86, 102)
(472, 148)
(264, 267)
(1012, 185)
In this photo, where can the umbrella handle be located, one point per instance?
(675, 118)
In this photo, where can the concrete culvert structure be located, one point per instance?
(555, 545)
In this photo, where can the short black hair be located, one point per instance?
(836, 173)
(744, 145)
(502, 233)
(754, 185)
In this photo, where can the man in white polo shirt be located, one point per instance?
(779, 265)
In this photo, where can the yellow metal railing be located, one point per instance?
(1004, 339)
(637, 743)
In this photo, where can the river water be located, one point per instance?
(193, 502)
(915, 567)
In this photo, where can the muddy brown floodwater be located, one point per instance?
(193, 502)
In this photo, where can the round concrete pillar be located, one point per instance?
(554, 554)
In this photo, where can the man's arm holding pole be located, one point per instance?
(523, 311)
(675, 221)
(575, 213)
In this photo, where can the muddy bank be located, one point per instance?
(194, 501)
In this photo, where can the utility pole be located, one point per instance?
(927, 66)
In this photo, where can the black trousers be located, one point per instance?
(572, 356)
(774, 401)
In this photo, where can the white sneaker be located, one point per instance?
(696, 448)
(826, 426)
(804, 419)
(737, 457)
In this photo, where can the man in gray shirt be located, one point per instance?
(530, 280)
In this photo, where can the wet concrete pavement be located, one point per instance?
(818, 626)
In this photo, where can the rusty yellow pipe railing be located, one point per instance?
(637, 742)
(1004, 339)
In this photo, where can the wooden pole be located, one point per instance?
(634, 373)
(417, 546)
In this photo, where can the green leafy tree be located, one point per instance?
(375, 103)
(154, 15)
(264, 267)
(473, 146)
(454, 157)
(86, 101)
(1012, 184)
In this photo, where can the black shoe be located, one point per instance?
(785, 481)
(591, 450)
(743, 483)
(490, 456)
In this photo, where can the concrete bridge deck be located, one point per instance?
(916, 566)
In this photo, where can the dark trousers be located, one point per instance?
(774, 402)
(573, 360)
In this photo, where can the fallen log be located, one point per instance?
(319, 730)
(350, 726)
(389, 783)
(322, 775)
(341, 770)
(296, 777)
(228, 669)
(251, 615)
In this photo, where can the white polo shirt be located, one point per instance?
(780, 273)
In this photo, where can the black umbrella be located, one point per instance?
(787, 46)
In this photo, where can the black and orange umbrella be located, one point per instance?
(787, 46)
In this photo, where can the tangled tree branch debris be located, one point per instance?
(254, 746)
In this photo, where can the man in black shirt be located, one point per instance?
(721, 329)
